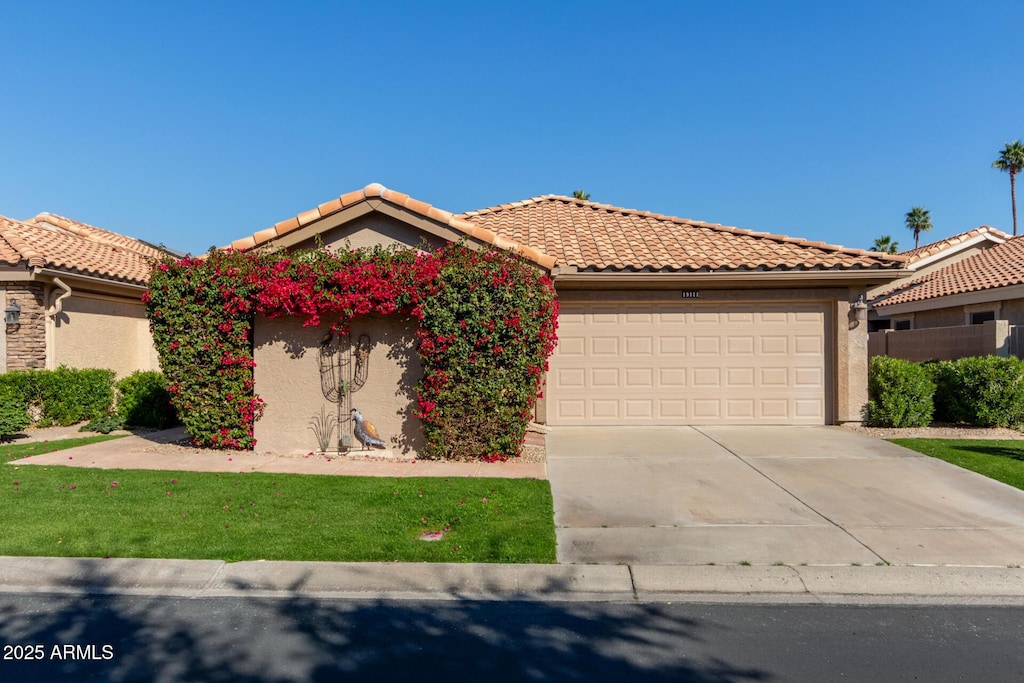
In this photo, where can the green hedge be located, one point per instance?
(900, 393)
(143, 401)
(986, 391)
(13, 418)
(63, 396)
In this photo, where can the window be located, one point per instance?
(979, 317)
(901, 325)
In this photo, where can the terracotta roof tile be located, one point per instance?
(91, 232)
(597, 237)
(922, 252)
(375, 190)
(50, 241)
(590, 236)
(999, 266)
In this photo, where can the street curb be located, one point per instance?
(754, 584)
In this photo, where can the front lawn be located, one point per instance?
(78, 512)
(1001, 460)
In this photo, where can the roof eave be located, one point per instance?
(859, 276)
(951, 300)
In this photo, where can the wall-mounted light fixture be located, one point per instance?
(858, 312)
(12, 316)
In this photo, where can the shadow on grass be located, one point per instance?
(995, 451)
(296, 637)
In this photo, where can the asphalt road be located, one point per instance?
(137, 638)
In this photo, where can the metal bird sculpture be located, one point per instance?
(365, 431)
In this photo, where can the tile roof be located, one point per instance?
(600, 237)
(378, 191)
(914, 255)
(999, 266)
(552, 230)
(50, 241)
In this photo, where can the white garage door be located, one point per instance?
(688, 364)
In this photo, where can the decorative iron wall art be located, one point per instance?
(344, 368)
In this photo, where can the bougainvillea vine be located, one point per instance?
(487, 324)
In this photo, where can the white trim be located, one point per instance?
(954, 250)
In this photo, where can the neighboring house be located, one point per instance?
(78, 288)
(929, 258)
(966, 307)
(663, 320)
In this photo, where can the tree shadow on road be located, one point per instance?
(293, 636)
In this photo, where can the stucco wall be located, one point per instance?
(944, 343)
(1012, 311)
(103, 333)
(288, 378)
(375, 229)
(939, 317)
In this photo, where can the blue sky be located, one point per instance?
(196, 123)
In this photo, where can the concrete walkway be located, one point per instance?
(646, 583)
(772, 495)
(143, 452)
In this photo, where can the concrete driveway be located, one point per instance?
(766, 495)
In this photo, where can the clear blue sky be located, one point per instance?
(196, 123)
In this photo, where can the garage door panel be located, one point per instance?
(689, 364)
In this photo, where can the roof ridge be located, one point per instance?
(377, 190)
(94, 233)
(947, 242)
(784, 239)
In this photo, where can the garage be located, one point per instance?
(680, 364)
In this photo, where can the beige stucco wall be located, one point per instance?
(939, 317)
(1012, 311)
(288, 378)
(374, 229)
(944, 343)
(102, 332)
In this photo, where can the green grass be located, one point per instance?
(996, 459)
(16, 451)
(80, 512)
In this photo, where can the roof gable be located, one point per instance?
(375, 192)
(50, 241)
(999, 266)
(601, 237)
(949, 246)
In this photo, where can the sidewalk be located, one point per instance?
(397, 581)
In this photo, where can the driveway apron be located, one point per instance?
(767, 495)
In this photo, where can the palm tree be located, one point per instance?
(1011, 160)
(918, 220)
(885, 245)
(581, 194)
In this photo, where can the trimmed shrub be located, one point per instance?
(984, 391)
(104, 424)
(13, 417)
(63, 396)
(143, 401)
(900, 392)
(70, 396)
